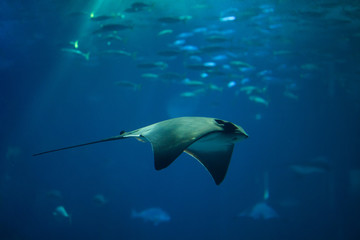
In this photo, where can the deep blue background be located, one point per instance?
(52, 99)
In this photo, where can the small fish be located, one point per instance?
(112, 37)
(275, 26)
(138, 7)
(189, 82)
(258, 116)
(149, 75)
(185, 35)
(249, 90)
(214, 71)
(169, 19)
(78, 14)
(75, 44)
(316, 165)
(193, 93)
(117, 52)
(245, 80)
(158, 64)
(185, 17)
(55, 194)
(128, 84)
(179, 42)
(194, 58)
(197, 67)
(77, 52)
(231, 84)
(215, 87)
(189, 48)
(264, 73)
(258, 99)
(112, 28)
(246, 69)
(282, 52)
(200, 6)
(200, 30)
(302, 169)
(171, 76)
(227, 19)
(101, 18)
(153, 215)
(100, 199)
(260, 210)
(174, 19)
(266, 8)
(131, 10)
(188, 94)
(209, 64)
(204, 75)
(220, 57)
(165, 31)
(226, 66)
(290, 95)
(241, 64)
(61, 214)
(309, 67)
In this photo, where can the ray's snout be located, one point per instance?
(232, 128)
(239, 130)
(242, 132)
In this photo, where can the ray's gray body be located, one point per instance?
(209, 140)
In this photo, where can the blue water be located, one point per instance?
(301, 57)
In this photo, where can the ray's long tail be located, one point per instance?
(118, 137)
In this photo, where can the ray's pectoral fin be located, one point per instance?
(167, 145)
(164, 155)
(215, 161)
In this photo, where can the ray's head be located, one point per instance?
(231, 128)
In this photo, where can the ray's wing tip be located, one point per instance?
(157, 168)
(160, 164)
(218, 181)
